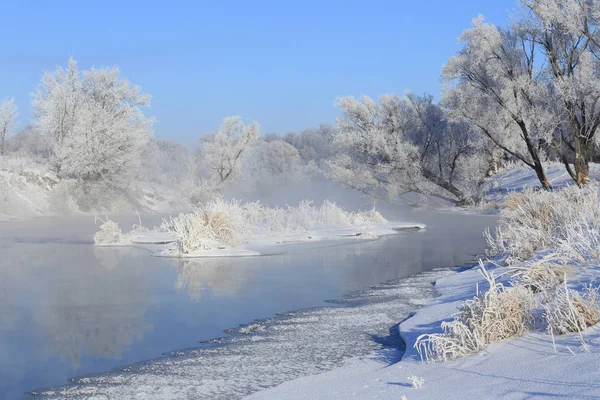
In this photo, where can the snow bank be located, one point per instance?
(526, 330)
(32, 189)
(529, 366)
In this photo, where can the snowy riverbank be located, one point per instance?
(550, 249)
(523, 367)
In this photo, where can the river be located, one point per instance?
(69, 309)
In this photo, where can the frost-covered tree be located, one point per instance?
(56, 104)
(8, 121)
(497, 89)
(403, 145)
(313, 144)
(110, 129)
(268, 166)
(224, 152)
(30, 142)
(568, 36)
(97, 123)
(170, 163)
(276, 158)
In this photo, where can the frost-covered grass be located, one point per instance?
(227, 223)
(572, 311)
(547, 239)
(499, 313)
(568, 219)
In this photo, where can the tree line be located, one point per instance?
(527, 92)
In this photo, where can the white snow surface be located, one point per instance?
(526, 367)
(265, 243)
(31, 189)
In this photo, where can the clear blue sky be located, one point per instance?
(281, 63)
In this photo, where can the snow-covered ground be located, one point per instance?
(162, 242)
(534, 365)
(519, 179)
(31, 189)
(530, 366)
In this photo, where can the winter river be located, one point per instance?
(69, 309)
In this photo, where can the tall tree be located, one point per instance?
(567, 32)
(403, 145)
(497, 90)
(224, 152)
(97, 122)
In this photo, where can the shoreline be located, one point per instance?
(568, 370)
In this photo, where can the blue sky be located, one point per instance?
(281, 63)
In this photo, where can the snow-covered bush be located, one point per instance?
(542, 275)
(571, 311)
(567, 220)
(215, 224)
(60, 198)
(109, 233)
(499, 313)
(222, 223)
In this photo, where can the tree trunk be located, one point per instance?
(539, 171)
(581, 165)
(533, 152)
(449, 187)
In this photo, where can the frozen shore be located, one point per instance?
(530, 366)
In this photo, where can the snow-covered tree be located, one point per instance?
(403, 145)
(29, 141)
(568, 36)
(8, 121)
(313, 144)
(97, 122)
(170, 163)
(56, 103)
(224, 152)
(497, 89)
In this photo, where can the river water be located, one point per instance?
(69, 309)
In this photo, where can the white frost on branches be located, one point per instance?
(97, 123)
(224, 152)
(405, 145)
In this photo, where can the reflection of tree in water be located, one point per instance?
(96, 308)
(222, 276)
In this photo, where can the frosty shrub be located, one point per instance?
(109, 233)
(499, 313)
(215, 224)
(417, 382)
(222, 223)
(542, 275)
(568, 219)
(572, 311)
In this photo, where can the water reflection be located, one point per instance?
(219, 276)
(62, 306)
(99, 314)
